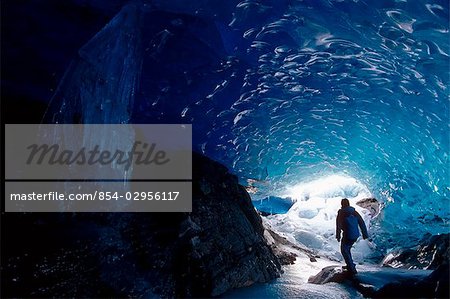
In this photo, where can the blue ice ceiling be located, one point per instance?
(285, 91)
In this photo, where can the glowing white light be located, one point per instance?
(311, 220)
(328, 187)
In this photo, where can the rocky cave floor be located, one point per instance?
(418, 272)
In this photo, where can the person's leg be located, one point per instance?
(345, 250)
(346, 246)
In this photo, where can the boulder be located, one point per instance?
(330, 274)
(432, 251)
(418, 272)
(381, 282)
(286, 251)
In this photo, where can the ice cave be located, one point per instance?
(305, 102)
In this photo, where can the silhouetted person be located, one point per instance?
(348, 221)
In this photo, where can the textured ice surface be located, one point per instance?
(99, 88)
(285, 92)
(326, 88)
(273, 204)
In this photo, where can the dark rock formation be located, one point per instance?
(435, 285)
(432, 251)
(380, 282)
(440, 280)
(217, 247)
(286, 251)
(230, 248)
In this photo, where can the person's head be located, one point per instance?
(345, 203)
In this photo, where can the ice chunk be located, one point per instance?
(100, 85)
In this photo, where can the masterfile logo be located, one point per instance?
(52, 154)
(100, 152)
(98, 168)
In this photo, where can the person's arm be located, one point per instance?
(338, 226)
(362, 226)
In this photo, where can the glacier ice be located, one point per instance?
(311, 89)
(100, 85)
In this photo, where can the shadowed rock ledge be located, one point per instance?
(217, 247)
(419, 272)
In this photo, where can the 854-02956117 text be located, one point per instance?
(99, 196)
